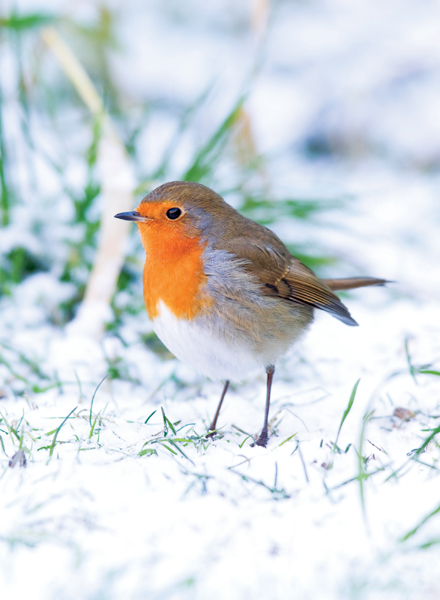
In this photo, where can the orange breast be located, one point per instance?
(173, 271)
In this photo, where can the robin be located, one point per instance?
(223, 292)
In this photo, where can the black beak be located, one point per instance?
(131, 216)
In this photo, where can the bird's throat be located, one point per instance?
(173, 274)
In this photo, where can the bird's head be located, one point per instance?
(179, 209)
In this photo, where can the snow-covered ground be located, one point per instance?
(115, 504)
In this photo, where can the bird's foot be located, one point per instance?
(213, 432)
(262, 439)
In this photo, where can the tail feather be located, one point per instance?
(353, 282)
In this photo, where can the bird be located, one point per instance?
(223, 292)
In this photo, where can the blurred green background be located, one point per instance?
(50, 187)
(285, 108)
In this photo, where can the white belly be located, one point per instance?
(194, 343)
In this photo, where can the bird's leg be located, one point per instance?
(213, 425)
(264, 436)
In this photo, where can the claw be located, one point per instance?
(263, 439)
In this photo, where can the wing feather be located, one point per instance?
(285, 277)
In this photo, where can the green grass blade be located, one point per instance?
(206, 157)
(52, 446)
(427, 440)
(167, 424)
(417, 527)
(93, 398)
(149, 417)
(362, 474)
(429, 372)
(346, 412)
(411, 367)
(28, 21)
(184, 122)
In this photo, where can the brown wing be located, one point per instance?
(306, 288)
(284, 276)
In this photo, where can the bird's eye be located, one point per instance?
(174, 213)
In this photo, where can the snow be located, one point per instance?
(227, 520)
(94, 516)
